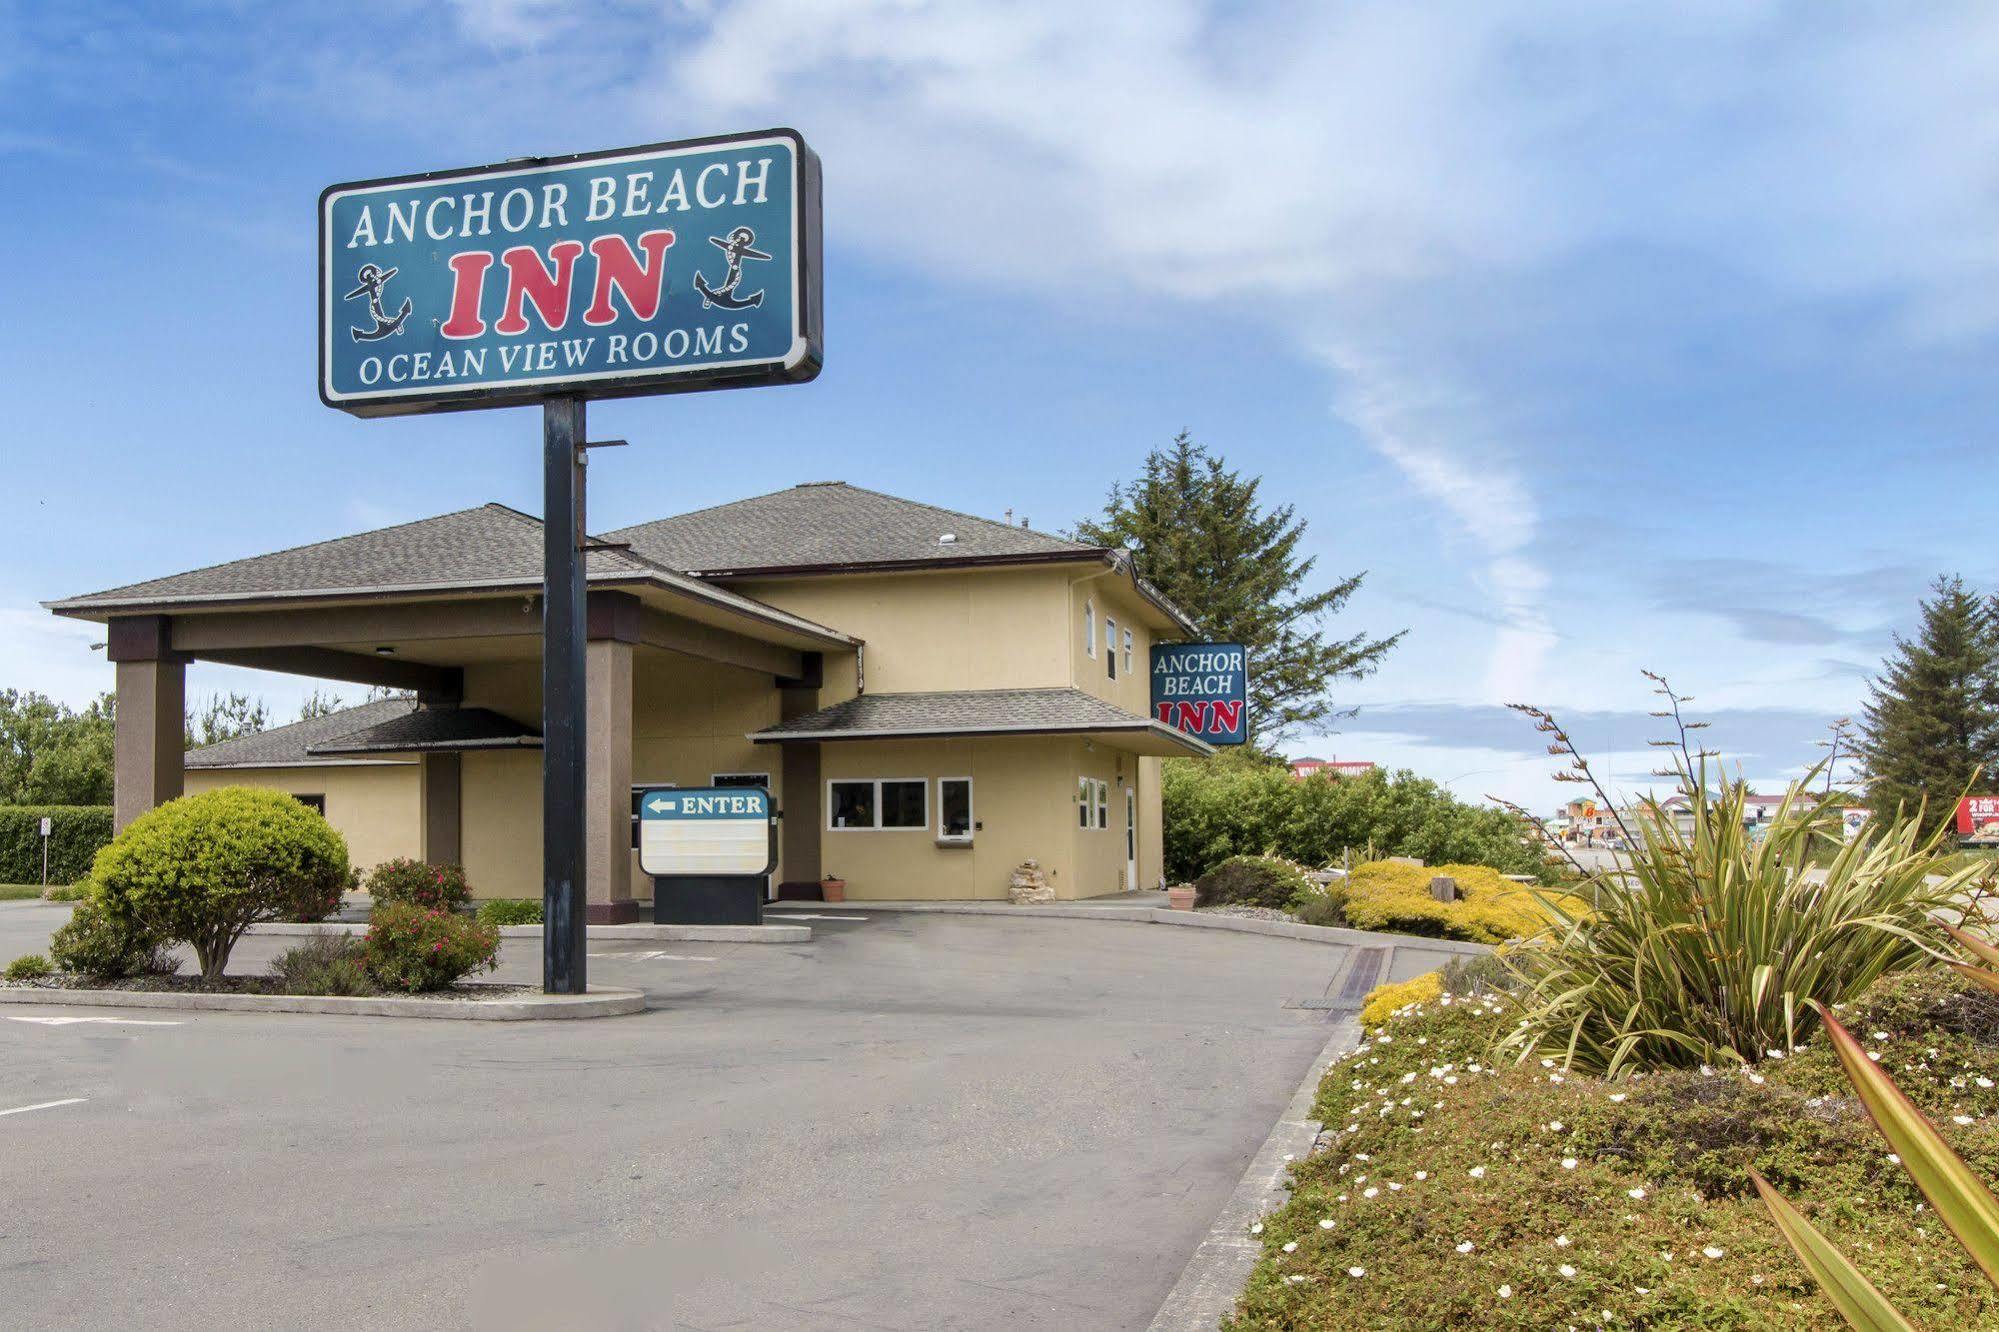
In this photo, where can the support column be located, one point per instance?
(442, 780)
(804, 793)
(150, 739)
(607, 799)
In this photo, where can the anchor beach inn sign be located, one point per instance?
(646, 270)
(1203, 689)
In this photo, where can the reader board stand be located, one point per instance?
(468, 288)
(707, 850)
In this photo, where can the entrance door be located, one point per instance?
(748, 779)
(1131, 839)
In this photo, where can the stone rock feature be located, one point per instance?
(1029, 884)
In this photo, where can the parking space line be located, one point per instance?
(656, 956)
(45, 1105)
(108, 1021)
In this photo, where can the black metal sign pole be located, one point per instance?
(563, 907)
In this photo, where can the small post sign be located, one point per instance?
(647, 270)
(706, 832)
(1203, 689)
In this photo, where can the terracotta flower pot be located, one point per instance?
(1180, 899)
(832, 890)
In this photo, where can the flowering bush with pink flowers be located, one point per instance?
(413, 948)
(421, 884)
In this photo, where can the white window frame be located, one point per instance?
(971, 811)
(1094, 799)
(1085, 801)
(1090, 627)
(1110, 645)
(1103, 805)
(877, 783)
(1127, 652)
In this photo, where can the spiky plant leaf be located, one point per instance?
(1856, 1298)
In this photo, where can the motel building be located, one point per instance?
(930, 697)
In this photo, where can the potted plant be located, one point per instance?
(1180, 897)
(832, 888)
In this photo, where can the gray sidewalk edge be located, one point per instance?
(764, 934)
(601, 1002)
(1214, 1276)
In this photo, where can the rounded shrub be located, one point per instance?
(330, 964)
(441, 887)
(413, 948)
(28, 966)
(202, 869)
(95, 943)
(1257, 881)
(511, 911)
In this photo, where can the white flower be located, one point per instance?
(1506, 1292)
(1643, 1290)
(1369, 1191)
(1325, 1223)
(1293, 1280)
(1568, 1163)
(1422, 1174)
(1960, 1119)
(1356, 1272)
(1983, 1082)
(1635, 1193)
(1555, 1077)
(1393, 1187)
(1561, 1241)
(1451, 1080)
(1555, 1126)
(1873, 1056)
(1756, 1281)
(1880, 1035)
(1566, 1270)
(1894, 1159)
(1617, 1098)
(1290, 1246)
(1477, 1172)
(1547, 1063)
(1465, 1247)
(1256, 1229)
(1362, 1156)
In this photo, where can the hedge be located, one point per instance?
(1490, 909)
(75, 835)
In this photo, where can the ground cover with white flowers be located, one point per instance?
(1450, 1189)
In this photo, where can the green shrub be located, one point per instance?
(403, 880)
(1491, 908)
(413, 948)
(202, 869)
(1248, 804)
(66, 892)
(95, 943)
(1259, 881)
(1320, 909)
(1558, 1163)
(326, 964)
(29, 966)
(1484, 975)
(511, 911)
(1709, 949)
(76, 832)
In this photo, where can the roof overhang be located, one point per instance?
(432, 731)
(1149, 738)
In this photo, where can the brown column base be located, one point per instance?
(613, 913)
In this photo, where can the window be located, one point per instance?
(1110, 646)
(315, 803)
(741, 779)
(1090, 627)
(1093, 803)
(871, 804)
(954, 809)
(1127, 652)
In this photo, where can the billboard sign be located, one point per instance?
(706, 832)
(662, 269)
(1978, 818)
(1202, 689)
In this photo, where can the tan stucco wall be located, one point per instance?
(376, 807)
(1113, 598)
(502, 822)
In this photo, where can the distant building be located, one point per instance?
(1335, 768)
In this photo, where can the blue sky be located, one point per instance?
(1602, 344)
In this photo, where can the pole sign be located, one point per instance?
(706, 832)
(1203, 689)
(1978, 818)
(662, 269)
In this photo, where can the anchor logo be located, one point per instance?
(738, 247)
(372, 280)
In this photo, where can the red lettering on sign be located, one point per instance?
(1191, 717)
(1227, 717)
(528, 280)
(618, 266)
(468, 280)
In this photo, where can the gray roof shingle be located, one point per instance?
(433, 729)
(286, 746)
(830, 522)
(968, 712)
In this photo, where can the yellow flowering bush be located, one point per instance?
(1383, 1000)
(1382, 895)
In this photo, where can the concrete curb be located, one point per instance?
(1214, 1277)
(607, 1002)
(1283, 929)
(764, 934)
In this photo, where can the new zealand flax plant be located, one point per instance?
(1716, 942)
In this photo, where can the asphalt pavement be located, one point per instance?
(912, 1122)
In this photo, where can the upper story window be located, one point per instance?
(1110, 646)
(1127, 652)
(1090, 627)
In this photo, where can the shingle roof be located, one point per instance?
(446, 730)
(968, 712)
(830, 522)
(285, 746)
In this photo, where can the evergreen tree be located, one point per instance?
(1933, 716)
(1199, 534)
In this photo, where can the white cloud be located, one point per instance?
(47, 655)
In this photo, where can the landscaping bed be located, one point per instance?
(1452, 1189)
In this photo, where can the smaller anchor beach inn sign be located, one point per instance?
(647, 270)
(1203, 689)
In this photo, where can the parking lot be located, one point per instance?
(913, 1121)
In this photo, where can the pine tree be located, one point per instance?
(1932, 720)
(1198, 533)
